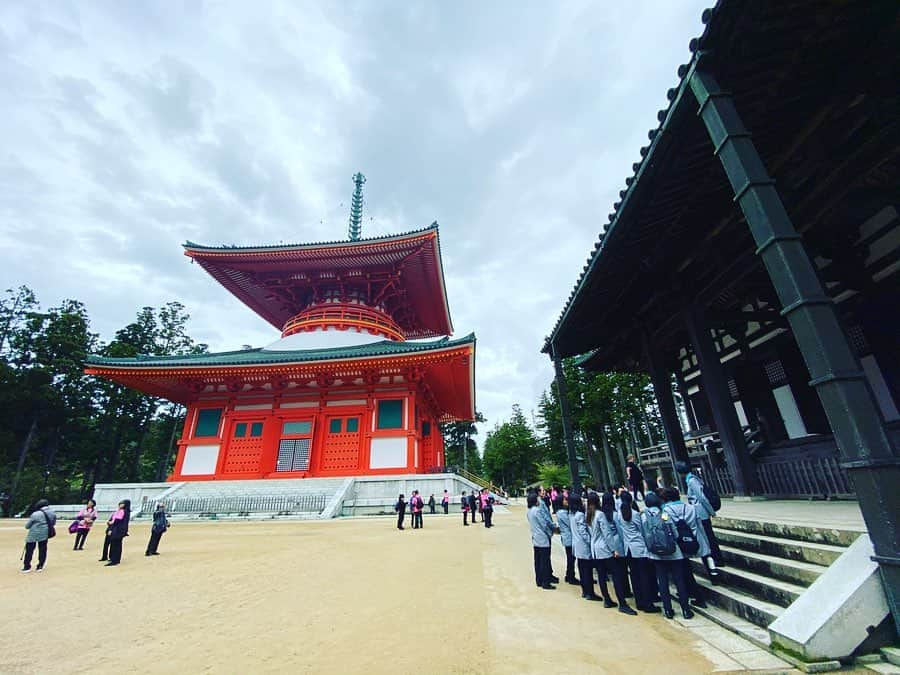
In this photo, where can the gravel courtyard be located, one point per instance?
(342, 596)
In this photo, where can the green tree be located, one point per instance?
(458, 435)
(511, 452)
(553, 474)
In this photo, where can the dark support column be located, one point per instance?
(662, 387)
(715, 384)
(566, 415)
(686, 400)
(852, 411)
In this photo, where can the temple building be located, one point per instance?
(363, 373)
(753, 258)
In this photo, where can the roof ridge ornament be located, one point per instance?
(356, 206)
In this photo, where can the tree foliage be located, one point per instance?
(62, 431)
(459, 435)
(512, 452)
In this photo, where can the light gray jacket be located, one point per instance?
(605, 538)
(37, 525)
(697, 499)
(687, 512)
(541, 527)
(632, 534)
(565, 527)
(581, 536)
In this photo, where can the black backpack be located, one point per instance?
(687, 542)
(658, 535)
(712, 496)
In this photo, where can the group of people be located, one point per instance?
(471, 503)
(606, 534)
(478, 502)
(41, 526)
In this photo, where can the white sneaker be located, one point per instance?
(39, 569)
(25, 571)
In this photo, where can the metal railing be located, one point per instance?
(478, 480)
(281, 504)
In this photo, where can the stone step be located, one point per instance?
(892, 654)
(766, 588)
(741, 604)
(793, 549)
(792, 571)
(748, 630)
(883, 668)
(798, 531)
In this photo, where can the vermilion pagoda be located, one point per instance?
(345, 391)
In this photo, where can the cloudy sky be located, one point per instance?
(128, 128)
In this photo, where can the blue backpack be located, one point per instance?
(658, 534)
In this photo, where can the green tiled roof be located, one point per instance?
(249, 357)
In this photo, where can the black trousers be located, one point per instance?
(643, 580)
(153, 544)
(714, 549)
(431, 506)
(80, 538)
(542, 565)
(586, 576)
(446, 508)
(400, 516)
(671, 570)
(636, 487)
(570, 564)
(417, 520)
(695, 590)
(115, 550)
(29, 552)
(615, 567)
(106, 541)
(466, 517)
(487, 517)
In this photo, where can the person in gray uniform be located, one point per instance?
(38, 525)
(697, 498)
(581, 547)
(643, 582)
(678, 510)
(561, 506)
(541, 532)
(658, 529)
(607, 549)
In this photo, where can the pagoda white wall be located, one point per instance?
(388, 452)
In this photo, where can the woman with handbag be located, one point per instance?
(40, 528)
(118, 530)
(84, 520)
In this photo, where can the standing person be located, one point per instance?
(464, 500)
(118, 530)
(400, 508)
(473, 505)
(660, 536)
(431, 504)
(541, 531)
(643, 581)
(544, 503)
(415, 504)
(159, 527)
(705, 511)
(86, 517)
(679, 511)
(487, 508)
(561, 506)
(445, 502)
(581, 547)
(554, 493)
(607, 549)
(39, 525)
(635, 477)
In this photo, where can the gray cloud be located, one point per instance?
(129, 128)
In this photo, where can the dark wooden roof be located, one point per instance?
(816, 84)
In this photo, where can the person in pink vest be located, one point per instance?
(445, 502)
(417, 505)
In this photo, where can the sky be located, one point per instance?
(129, 128)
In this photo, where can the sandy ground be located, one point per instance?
(342, 596)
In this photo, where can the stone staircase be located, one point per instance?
(253, 499)
(767, 567)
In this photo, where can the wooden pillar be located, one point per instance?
(715, 384)
(566, 416)
(662, 388)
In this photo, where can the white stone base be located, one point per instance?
(833, 617)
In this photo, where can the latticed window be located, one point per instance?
(293, 454)
(775, 373)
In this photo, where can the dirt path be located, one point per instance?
(316, 597)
